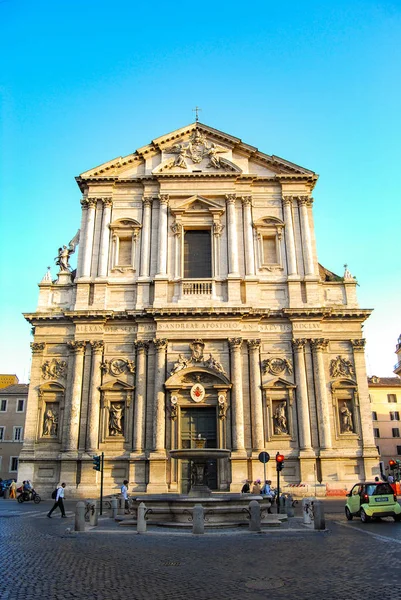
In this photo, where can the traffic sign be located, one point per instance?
(264, 457)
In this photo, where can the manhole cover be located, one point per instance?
(265, 584)
(171, 564)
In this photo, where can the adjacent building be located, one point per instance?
(13, 401)
(198, 307)
(385, 402)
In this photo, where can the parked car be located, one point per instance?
(372, 500)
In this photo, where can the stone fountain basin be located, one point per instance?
(199, 453)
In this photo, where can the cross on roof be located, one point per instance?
(196, 111)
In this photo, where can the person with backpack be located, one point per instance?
(59, 503)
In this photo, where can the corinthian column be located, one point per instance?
(248, 232)
(236, 394)
(162, 256)
(159, 409)
(145, 242)
(258, 442)
(318, 346)
(362, 396)
(31, 418)
(73, 404)
(304, 202)
(305, 442)
(289, 236)
(94, 396)
(105, 237)
(139, 414)
(233, 268)
(89, 234)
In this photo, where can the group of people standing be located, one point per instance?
(258, 489)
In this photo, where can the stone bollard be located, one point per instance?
(306, 510)
(198, 519)
(93, 514)
(289, 509)
(114, 508)
(80, 516)
(121, 506)
(6, 493)
(281, 509)
(318, 515)
(140, 520)
(254, 512)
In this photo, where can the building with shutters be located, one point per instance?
(198, 307)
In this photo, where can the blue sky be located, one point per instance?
(318, 83)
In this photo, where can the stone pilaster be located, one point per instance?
(368, 440)
(237, 394)
(31, 419)
(162, 245)
(289, 236)
(305, 442)
(258, 442)
(248, 235)
(105, 237)
(177, 229)
(94, 396)
(159, 409)
(318, 347)
(73, 402)
(304, 202)
(82, 237)
(89, 235)
(140, 399)
(145, 240)
(233, 268)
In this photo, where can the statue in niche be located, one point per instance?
(116, 419)
(64, 253)
(50, 424)
(280, 419)
(346, 421)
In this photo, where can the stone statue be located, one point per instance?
(50, 424)
(116, 419)
(341, 367)
(346, 423)
(181, 363)
(62, 259)
(212, 363)
(212, 153)
(280, 419)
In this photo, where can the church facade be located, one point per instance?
(198, 309)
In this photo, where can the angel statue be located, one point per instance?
(212, 153)
(62, 260)
(181, 151)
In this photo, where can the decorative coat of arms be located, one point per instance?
(341, 367)
(198, 359)
(197, 392)
(275, 366)
(116, 366)
(196, 150)
(54, 369)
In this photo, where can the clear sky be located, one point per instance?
(315, 82)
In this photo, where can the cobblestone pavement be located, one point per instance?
(348, 561)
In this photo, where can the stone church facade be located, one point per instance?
(198, 307)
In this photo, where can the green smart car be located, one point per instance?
(372, 500)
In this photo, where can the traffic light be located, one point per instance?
(96, 463)
(392, 464)
(279, 461)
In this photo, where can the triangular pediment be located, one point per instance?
(196, 205)
(115, 386)
(278, 383)
(196, 149)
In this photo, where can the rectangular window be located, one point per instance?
(197, 254)
(125, 252)
(17, 434)
(395, 415)
(396, 432)
(13, 463)
(270, 251)
(20, 405)
(2, 433)
(398, 450)
(391, 398)
(3, 405)
(374, 416)
(376, 432)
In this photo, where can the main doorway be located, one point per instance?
(195, 422)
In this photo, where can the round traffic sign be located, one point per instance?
(264, 457)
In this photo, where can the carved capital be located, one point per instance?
(287, 200)
(147, 200)
(107, 202)
(176, 228)
(97, 346)
(253, 345)
(303, 200)
(231, 198)
(217, 229)
(92, 202)
(38, 347)
(358, 345)
(319, 344)
(160, 343)
(84, 203)
(235, 343)
(163, 199)
(78, 347)
(142, 346)
(299, 344)
(246, 200)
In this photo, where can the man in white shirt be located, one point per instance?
(124, 494)
(59, 502)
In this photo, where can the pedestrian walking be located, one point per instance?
(59, 502)
(124, 494)
(13, 489)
